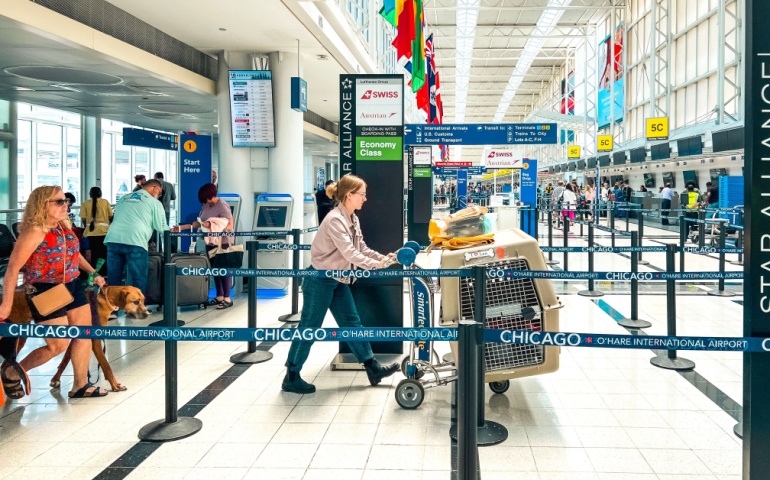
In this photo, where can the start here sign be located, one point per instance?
(195, 157)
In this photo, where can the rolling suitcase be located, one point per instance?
(191, 290)
(154, 295)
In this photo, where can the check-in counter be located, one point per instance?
(655, 204)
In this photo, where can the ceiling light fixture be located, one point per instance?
(467, 17)
(547, 21)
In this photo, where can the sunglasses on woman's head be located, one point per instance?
(60, 202)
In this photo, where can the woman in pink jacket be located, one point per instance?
(338, 245)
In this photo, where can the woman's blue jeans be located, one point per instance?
(320, 295)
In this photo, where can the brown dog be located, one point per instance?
(109, 299)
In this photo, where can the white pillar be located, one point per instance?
(235, 174)
(286, 161)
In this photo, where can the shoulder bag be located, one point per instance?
(55, 298)
(230, 257)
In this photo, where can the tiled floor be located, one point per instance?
(606, 414)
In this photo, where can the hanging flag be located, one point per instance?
(424, 94)
(389, 11)
(444, 153)
(436, 105)
(418, 48)
(405, 31)
(430, 84)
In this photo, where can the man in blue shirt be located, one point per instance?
(137, 216)
(665, 204)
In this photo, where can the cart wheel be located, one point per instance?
(409, 394)
(500, 387)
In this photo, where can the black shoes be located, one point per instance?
(377, 372)
(292, 382)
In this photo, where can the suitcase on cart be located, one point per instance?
(191, 290)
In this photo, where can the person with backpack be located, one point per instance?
(166, 196)
(691, 200)
(96, 216)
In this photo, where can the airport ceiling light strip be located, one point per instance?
(545, 24)
(467, 16)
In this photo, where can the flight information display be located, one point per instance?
(251, 108)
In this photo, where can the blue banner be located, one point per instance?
(480, 134)
(462, 188)
(194, 172)
(528, 194)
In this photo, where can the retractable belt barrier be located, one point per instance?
(380, 334)
(282, 246)
(255, 233)
(661, 249)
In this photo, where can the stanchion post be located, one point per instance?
(633, 321)
(581, 227)
(701, 228)
(612, 226)
(641, 238)
(670, 361)
(721, 289)
(489, 433)
(628, 213)
(536, 227)
(550, 261)
(167, 246)
(252, 355)
(467, 398)
(682, 240)
(172, 427)
(566, 239)
(739, 241)
(295, 314)
(590, 292)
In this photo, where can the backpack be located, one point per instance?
(162, 192)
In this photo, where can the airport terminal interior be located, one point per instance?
(573, 136)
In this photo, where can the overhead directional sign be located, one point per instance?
(604, 143)
(480, 134)
(573, 151)
(657, 128)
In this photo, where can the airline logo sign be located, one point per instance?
(423, 155)
(499, 158)
(378, 105)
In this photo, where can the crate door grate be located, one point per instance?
(512, 304)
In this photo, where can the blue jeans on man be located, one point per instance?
(320, 295)
(135, 260)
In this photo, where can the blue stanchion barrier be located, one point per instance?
(699, 250)
(255, 233)
(613, 276)
(309, 230)
(381, 334)
(611, 230)
(282, 246)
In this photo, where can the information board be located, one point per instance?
(138, 137)
(251, 108)
(480, 134)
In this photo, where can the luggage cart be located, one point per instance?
(513, 304)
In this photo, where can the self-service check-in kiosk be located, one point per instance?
(309, 220)
(273, 214)
(233, 200)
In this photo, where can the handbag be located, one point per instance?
(230, 257)
(55, 298)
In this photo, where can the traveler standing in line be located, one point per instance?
(137, 216)
(569, 202)
(140, 181)
(49, 251)
(96, 216)
(166, 196)
(692, 201)
(216, 217)
(665, 204)
(324, 203)
(338, 245)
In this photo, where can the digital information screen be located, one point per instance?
(251, 108)
(272, 217)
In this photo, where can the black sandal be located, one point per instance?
(214, 302)
(225, 304)
(14, 388)
(84, 393)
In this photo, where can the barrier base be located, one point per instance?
(642, 262)
(251, 357)
(736, 262)
(721, 293)
(448, 358)
(162, 323)
(738, 429)
(291, 317)
(678, 363)
(491, 433)
(591, 293)
(631, 323)
(551, 262)
(161, 431)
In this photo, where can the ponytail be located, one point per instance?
(95, 193)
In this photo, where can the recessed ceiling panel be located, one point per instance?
(63, 75)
